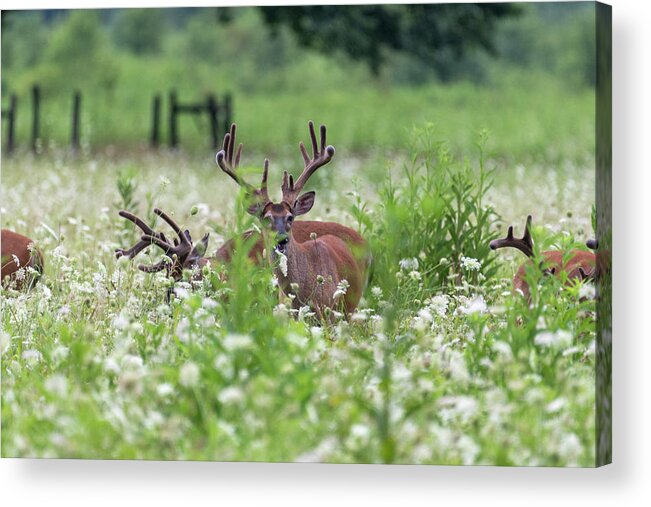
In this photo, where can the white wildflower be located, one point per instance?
(237, 341)
(111, 366)
(164, 389)
(468, 449)
(132, 362)
(121, 321)
(470, 264)
(164, 181)
(358, 317)
(587, 291)
(415, 275)
(282, 263)
(463, 408)
(360, 431)
(476, 305)
(189, 374)
(556, 405)
(377, 292)
(31, 356)
(439, 304)
(503, 349)
(342, 288)
(558, 339)
(409, 264)
(457, 367)
(570, 448)
(321, 453)
(425, 315)
(57, 384)
(5, 341)
(231, 394)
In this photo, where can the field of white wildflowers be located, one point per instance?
(441, 364)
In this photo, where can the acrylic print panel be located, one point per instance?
(160, 302)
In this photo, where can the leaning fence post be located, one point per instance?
(155, 122)
(36, 106)
(76, 106)
(174, 140)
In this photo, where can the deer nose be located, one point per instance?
(281, 236)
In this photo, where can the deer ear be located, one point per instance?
(304, 203)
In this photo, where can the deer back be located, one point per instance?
(16, 247)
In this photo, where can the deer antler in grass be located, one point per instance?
(524, 244)
(182, 252)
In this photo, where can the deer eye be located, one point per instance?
(290, 219)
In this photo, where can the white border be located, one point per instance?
(626, 482)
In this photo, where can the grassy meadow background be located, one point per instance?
(440, 364)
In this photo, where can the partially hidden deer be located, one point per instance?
(577, 264)
(312, 270)
(183, 255)
(18, 254)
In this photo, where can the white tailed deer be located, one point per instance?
(19, 253)
(578, 264)
(315, 266)
(183, 255)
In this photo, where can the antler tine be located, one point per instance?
(264, 193)
(141, 245)
(139, 222)
(182, 237)
(320, 157)
(154, 268)
(155, 240)
(524, 244)
(224, 157)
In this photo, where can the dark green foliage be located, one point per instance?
(436, 34)
(140, 30)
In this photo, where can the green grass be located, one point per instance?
(441, 363)
(532, 117)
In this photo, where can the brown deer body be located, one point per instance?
(577, 264)
(311, 270)
(185, 258)
(320, 255)
(19, 252)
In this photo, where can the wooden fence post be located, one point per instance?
(174, 140)
(76, 107)
(213, 111)
(155, 121)
(36, 106)
(11, 122)
(228, 111)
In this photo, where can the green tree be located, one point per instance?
(140, 30)
(78, 54)
(436, 34)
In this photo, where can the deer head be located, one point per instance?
(279, 216)
(182, 253)
(578, 264)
